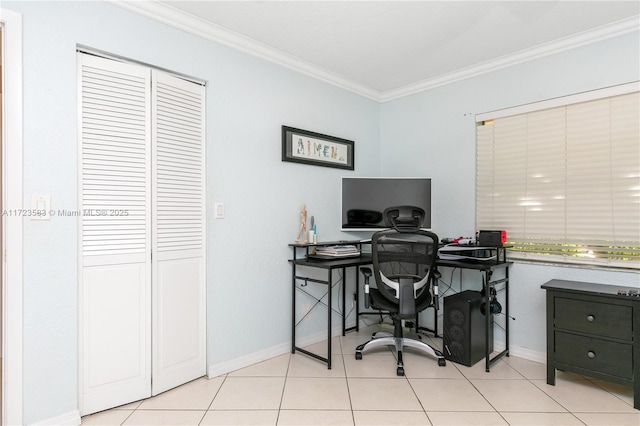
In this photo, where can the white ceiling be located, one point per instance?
(386, 49)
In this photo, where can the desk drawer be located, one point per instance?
(602, 319)
(598, 355)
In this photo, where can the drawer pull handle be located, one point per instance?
(591, 318)
(591, 355)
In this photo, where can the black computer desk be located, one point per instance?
(487, 268)
(329, 265)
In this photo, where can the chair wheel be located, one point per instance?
(358, 355)
(442, 362)
(400, 371)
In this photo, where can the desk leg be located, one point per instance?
(486, 284)
(293, 310)
(357, 298)
(506, 309)
(344, 300)
(329, 303)
(486, 277)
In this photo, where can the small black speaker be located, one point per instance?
(464, 328)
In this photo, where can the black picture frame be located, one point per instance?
(303, 146)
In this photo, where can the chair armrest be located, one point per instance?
(367, 274)
(434, 287)
(366, 271)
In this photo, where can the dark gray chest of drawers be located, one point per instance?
(594, 330)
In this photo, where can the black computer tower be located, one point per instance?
(464, 328)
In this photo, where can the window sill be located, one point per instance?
(619, 266)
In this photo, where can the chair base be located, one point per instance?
(383, 338)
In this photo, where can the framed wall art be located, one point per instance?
(303, 146)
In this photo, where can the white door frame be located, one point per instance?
(12, 193)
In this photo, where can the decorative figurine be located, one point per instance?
(302, 232)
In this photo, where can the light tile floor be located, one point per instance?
(299, 390)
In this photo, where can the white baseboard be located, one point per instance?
(268, 353)
(69, 419)
(521, 352)
(247, 360)
(529, 354)
(280, 349)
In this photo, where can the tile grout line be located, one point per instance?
(214, 397)
(346, 379)
(284, 386)
(126, 418)
(596, 382)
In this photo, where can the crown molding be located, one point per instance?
(602, 33)
(178, 19)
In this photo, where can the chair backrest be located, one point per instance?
(404, 262)
(405, 217)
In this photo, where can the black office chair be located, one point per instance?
(404, 264)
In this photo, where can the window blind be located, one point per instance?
(564, 182)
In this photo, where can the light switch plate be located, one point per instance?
(40, 207)
(218, 210)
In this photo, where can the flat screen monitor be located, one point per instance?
(364, 200)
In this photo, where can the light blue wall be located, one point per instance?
(433, 133)
(248, 281)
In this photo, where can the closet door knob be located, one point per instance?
(591, 318)
(591, 355)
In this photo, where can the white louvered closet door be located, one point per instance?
(142, 238)
(179, 333)
(115, 233)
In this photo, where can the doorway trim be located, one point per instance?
(12, 383)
